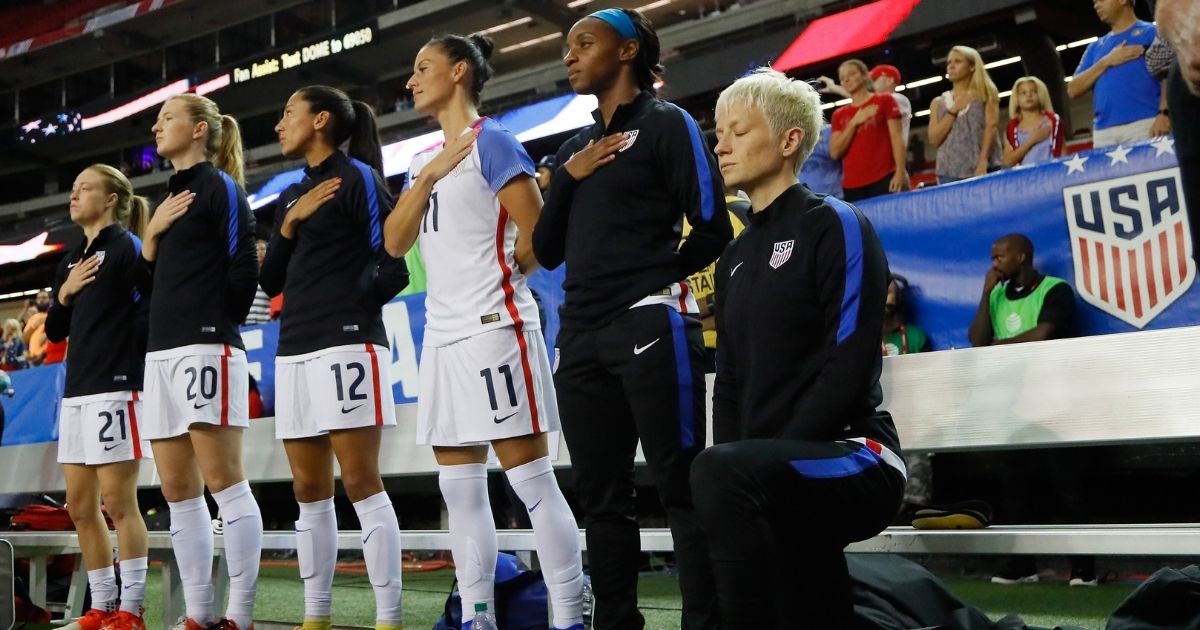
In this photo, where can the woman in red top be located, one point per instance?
(867, 137)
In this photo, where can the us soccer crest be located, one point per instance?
(630, 138)
(1131, 244)
(781, 253)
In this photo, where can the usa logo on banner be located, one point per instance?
(1130, 242)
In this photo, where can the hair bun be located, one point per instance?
(483, 43)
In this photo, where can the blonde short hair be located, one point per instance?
(1042, 91)
(785, 103)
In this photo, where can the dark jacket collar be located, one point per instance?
(625, 111)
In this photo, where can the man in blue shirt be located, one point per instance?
(1129, 103)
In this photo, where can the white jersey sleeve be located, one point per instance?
(468, 242)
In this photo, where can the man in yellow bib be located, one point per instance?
(1020, 304)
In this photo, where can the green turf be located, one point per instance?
(281, 598)
(1044, 604)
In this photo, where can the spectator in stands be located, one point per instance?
(200, 273)
(820, 172)
(964, 119)
(867, 137)
(624, 285)
(333, 390)
(1129, 103)
(886, 78)
(14, 347)
(1179, 23)
(260, 308)
(99, 443)
(1035, 133)
(1020, 304)
(903, 337)
(487, 177)
(805, 463)
(545, 169)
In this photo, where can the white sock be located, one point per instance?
(316, 550)
(133, 584)
(192, 541)
(472, 534)
(243, 549)
(556, 535)
(381, 549)
(103, 583)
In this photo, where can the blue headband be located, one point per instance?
(619, 20)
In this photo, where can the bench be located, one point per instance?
(1140, 387)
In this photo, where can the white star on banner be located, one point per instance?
(49, 129)
(1119, 154)
(1075, 164)
(1163, 144)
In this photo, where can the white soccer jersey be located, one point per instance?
(468, 242)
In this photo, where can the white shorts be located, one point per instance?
(101, 429)
(344, 387)
(1122, 134)
(199, 384)
(490, 386)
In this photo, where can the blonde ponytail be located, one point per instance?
(131, 211)
(229, 152)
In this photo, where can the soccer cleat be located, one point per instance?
(124, 620)
(93, 619)
(389, 625)
(578, 626)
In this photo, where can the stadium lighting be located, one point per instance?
(506, 26)
(531, 42)
(1001, 62)
(212, 86)
(653, 5)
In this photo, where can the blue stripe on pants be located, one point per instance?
(836, 467)
(683, 374)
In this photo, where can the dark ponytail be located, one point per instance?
(349, 120)
(647, 69)
(475, 50)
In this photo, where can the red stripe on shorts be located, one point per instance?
(133, 429)
(518, 324)
(225, 386)
(375, 385)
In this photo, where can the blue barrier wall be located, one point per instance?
(1112, 223)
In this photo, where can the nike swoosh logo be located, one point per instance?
(301, 531)
(72, 265)
(499, 420)
(369, 534)
(291, 203)
(196, 406)
(735, 268)
(345, 410)
(111, 447)
(640, 349)
(232, 521)
(539, 502)
(175, 532)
